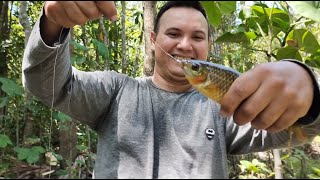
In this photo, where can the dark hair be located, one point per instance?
(170, 4)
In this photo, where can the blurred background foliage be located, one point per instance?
(38, 142)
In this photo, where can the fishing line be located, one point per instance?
(53, 96)
(53, 84)
(164, 50)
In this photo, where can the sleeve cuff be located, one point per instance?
(63, 34)
(314, 111)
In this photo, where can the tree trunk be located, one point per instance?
(215, 55)
(4, 35)
(68, 136)
(23, 19)
(68, 141)
(277, 164)
(115, 49)
(136, 62)
(149, 10)
(115, 39)
(105, 39)
(123, 37)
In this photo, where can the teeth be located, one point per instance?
(181, 58)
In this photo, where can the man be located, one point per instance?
(159, 126)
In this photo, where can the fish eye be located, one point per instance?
(195, 67)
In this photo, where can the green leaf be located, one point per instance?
(288, 53)
(213, 13)
(23, 153)
(279, 18)
(281, 24)
(239, 37)
(38, 149)
(58, 156)
(78, 46)
(10, 87)
(307, 23)
(62, 172)
(81, 147)
(33, 158)
(78, 59)
(31, 155)
(4, 101)
(63, 117)
(227, 7)
(4, 141)
(316, 170)
(251, 35)
(305, 39)
(79, 161)
(308, 9)
(246, 163)
(102, 48)
(313, 176)
(314, 59)
(240, 28)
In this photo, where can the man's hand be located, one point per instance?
(59, 14)
(272, 96)
(70, 13)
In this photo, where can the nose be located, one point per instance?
(185, 44)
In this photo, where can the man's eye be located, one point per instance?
(199, 37)
(172, 34)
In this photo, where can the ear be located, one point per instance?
(152, 39)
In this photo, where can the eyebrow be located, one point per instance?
(177, 29)
(201, 32)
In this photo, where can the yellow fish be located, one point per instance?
(213, 80)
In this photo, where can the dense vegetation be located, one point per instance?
(37, 141)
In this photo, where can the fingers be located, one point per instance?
(255, 103)
(108, 9)
(53, 10)
(89, 9)
(71, 13)
(241, 89)
(272, 96)
(74, 15)
(270, 116)
(296, 107)
(284, 121)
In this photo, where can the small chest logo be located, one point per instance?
(210, 133)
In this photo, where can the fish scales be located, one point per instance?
(212, 80)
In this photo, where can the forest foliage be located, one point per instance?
(37, 141)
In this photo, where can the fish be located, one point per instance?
(214, 80)
(210, 79)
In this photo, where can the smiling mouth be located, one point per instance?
(179, 58)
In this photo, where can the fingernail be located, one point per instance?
(114, 18)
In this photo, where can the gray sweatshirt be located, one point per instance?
(143, 131)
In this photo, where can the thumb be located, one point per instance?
(108, 9)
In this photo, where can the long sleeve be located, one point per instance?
(41, 62)
(49, 75)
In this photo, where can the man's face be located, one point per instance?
(183, 33)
